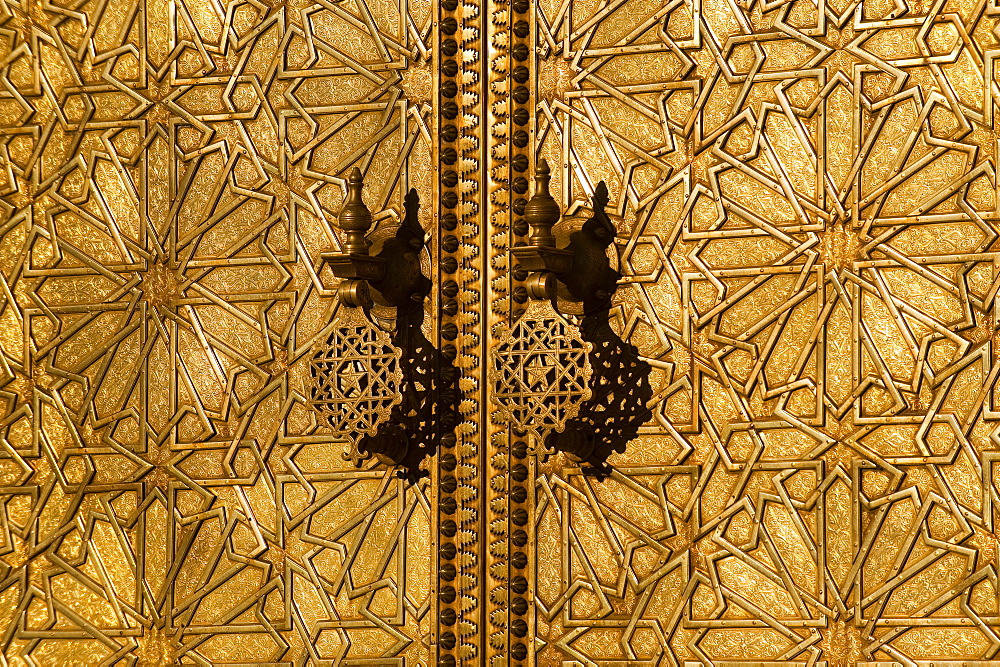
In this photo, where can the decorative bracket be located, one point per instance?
(393, 277)
(361, 373)
(579, 272)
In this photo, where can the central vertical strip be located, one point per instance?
(463, 334)
(507, 491)
(474, 338)
(498, 490)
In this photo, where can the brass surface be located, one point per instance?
(796, 400)
(782, 440)
(172, 173)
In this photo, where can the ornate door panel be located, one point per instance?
(172, 172)
(794, 403)
(769, 439)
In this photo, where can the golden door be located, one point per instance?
(298, 365)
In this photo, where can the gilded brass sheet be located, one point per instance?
(804, 470)
(808, 231)
(171, 172)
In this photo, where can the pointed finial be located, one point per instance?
(542, 212)
(606, 229)
(355, 218)
(410, 228)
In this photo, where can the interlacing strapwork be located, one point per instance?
(357, 379)
(171, 173)
(792, 397)
(540, 369)
(810, 269)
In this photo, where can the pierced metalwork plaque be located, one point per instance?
(357, 378)
(540, 369)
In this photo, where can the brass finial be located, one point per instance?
(542, 212)
(355, 218)
(410, 229)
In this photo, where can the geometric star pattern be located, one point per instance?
(170, 173)
(540, 368)
(808, 240)
(810, 252)
(357, 378)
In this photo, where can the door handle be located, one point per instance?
(541, 366)
(360, 371)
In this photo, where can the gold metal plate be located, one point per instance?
(796, 381)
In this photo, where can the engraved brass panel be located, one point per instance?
(790, 404)
(809, 262)
(172, 172)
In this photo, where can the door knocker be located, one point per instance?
(541, 366)
(360, 373)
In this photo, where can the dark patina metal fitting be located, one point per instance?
(580, 271)
(393, 277)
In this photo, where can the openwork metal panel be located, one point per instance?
(791, 397)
